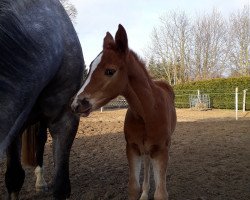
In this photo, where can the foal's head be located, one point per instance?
(107, 76)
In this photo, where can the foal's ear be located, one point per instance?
(108, 41)
(121, 39)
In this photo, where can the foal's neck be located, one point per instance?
(139, 93)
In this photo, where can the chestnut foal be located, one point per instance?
(150, 119)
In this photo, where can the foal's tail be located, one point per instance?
(29, 145)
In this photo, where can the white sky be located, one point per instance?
(139, 17)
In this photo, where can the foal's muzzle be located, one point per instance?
(82, 107)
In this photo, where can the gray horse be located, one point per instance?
(41, 68)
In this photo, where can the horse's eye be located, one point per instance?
(110, 72)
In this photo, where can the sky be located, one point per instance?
(139, 17)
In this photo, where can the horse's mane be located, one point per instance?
(140, 61)
(16, 44)
(162, 84)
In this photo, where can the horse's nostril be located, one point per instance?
(84, 102)
(82, 106)
(76, 107)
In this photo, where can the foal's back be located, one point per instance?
(168, 104)
(167, 88)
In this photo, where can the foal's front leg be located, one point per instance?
(146, 185)
(134, 162)
(159, 162)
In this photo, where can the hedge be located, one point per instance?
(220, 90)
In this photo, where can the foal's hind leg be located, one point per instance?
(145, 185)
(63, 132)
(41, 184)
(134, 162)
(14, 176)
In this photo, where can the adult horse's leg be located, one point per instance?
(159, 161)
(145, 185)
(134, 163)
(63, 132)
(14, 176)
(41, 184)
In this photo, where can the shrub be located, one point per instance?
(221, 92)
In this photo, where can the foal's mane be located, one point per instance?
(160, 83)
(140, 62)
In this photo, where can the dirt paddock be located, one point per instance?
(210, 159)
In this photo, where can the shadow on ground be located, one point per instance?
(210, 160)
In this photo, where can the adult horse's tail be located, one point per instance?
(29, 145)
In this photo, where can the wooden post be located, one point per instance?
(236, 103)
(244, 100)
(101, 109)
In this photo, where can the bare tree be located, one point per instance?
(170, 46)
(70, 9)
(239, 43)
(157, 63)
(209, 46)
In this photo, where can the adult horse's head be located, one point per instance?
(107, 76)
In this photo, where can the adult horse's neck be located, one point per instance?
(139, 92)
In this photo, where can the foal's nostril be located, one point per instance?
(84, 102)
(76, 108)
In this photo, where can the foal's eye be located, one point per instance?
(110, 72)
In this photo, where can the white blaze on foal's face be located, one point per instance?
(81, 94)
(104, 82)
(93, 67)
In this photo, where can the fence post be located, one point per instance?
(101, 109)
(198, 95)
(236, 103)
(244, 100)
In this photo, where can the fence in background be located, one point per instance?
(115, 104)
(217, 100)
(198, 99)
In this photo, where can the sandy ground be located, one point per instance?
(210, 159)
